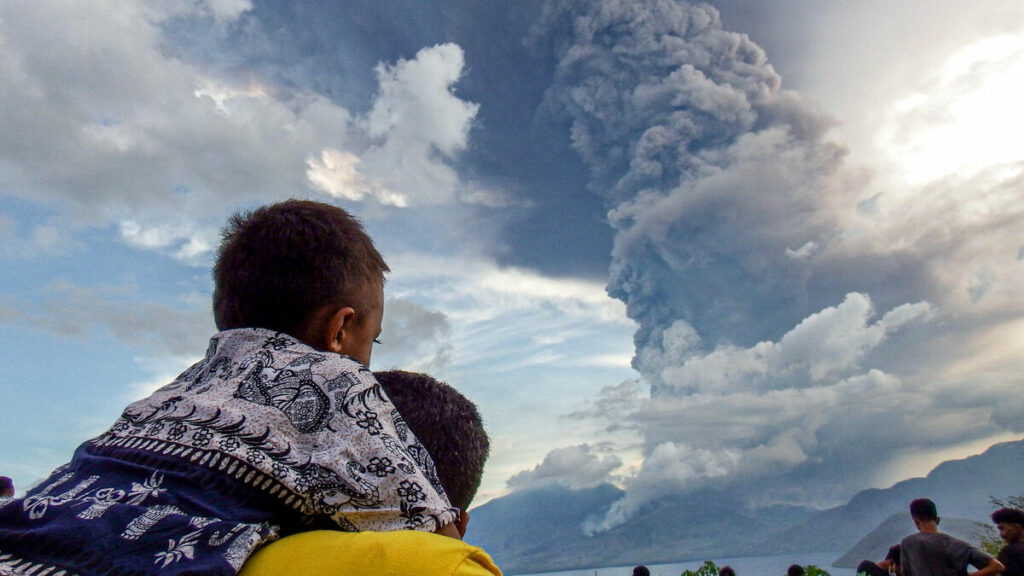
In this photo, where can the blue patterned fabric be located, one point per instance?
(264, 436)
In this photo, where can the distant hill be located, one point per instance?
(531, 523)
(540, 530)
(959, 488)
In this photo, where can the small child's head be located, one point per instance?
(6, 487)
(795, 570)
(290, 266)
(891, 562)
(449, 426)
(893, 555)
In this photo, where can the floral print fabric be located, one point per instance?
(264, 435)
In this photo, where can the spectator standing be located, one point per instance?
(449, 426)
(932, 553)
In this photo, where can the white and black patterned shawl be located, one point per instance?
(264, 436)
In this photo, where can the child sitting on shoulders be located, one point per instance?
(450, 428)
(281, 428)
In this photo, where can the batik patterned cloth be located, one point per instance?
(264, 436)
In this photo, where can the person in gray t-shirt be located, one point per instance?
(932, 553)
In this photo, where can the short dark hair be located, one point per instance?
(641, 571)
(726, 571)
(6, 486)
(449, 426)
(1008, 516)
(924, 509)
(893, 554)
(279, 264)
(795, 570)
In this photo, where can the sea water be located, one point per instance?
(744, 566)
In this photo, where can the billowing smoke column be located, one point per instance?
(722, 191)
(715, 177)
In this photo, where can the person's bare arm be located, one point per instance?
(991, 569)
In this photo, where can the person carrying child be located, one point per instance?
(281, 428)
(451, 429)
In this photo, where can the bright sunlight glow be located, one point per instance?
(966, 120)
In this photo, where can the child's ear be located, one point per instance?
(337, 328)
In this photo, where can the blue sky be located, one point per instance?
(777, 246)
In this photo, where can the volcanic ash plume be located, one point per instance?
(717, 180)
(723, 193)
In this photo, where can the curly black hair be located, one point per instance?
(1008, 516)
(449, 426)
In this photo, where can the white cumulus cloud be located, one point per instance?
(572, 467)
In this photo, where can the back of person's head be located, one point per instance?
(448, 425)
(795, 570)
(641, 571)
(893, 554)
(1008, 516)
(923, 509)
(6, 487)
(280, 264)
(726, 571)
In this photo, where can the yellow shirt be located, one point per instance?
(402, 553)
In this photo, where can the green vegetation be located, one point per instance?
(707, 569)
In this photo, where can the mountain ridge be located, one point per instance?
(541, 530)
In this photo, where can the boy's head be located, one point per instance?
(641, 571)
(1010, 523)
(6, 487)
(923, 509)
(291, 266)
(924, 515)
(448, 425)
(726, 571)
(795, 570)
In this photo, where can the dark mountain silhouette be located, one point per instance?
(959, 488)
